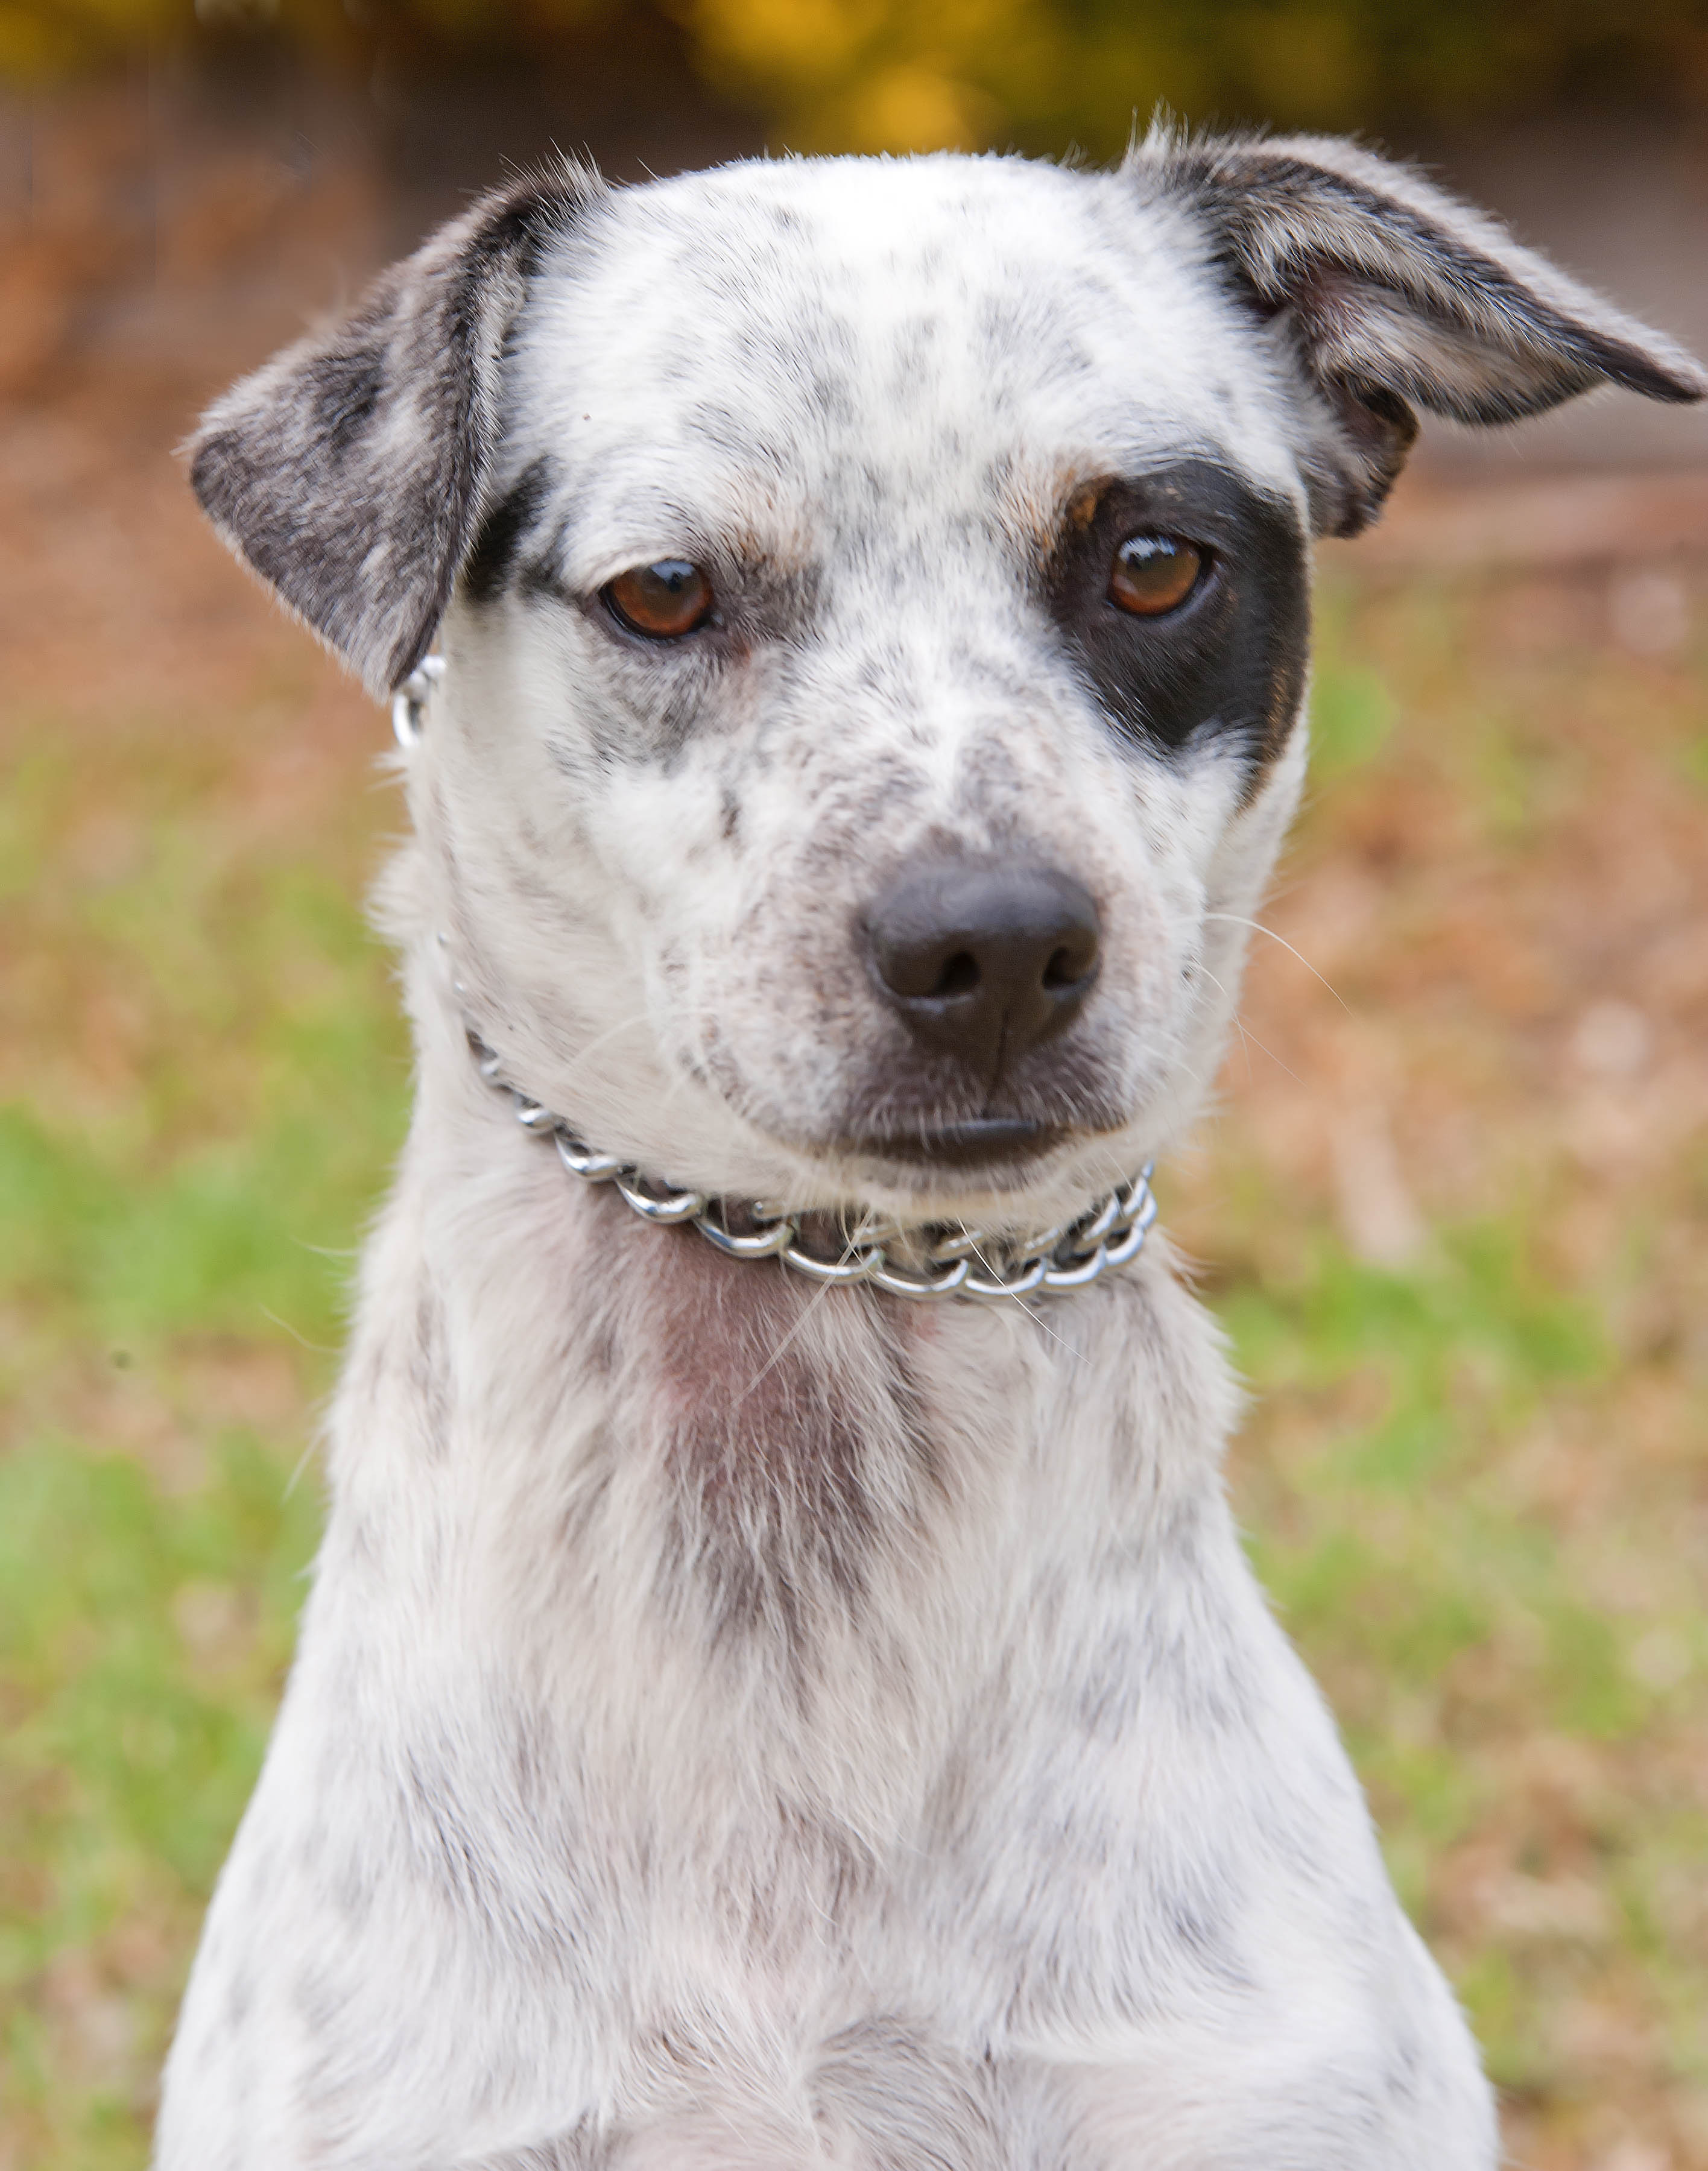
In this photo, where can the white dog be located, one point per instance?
(750, 1718)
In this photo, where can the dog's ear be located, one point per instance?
(1399, 298)
(350, 471)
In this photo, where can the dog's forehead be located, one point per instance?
(729, 350)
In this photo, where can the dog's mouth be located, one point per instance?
(1001, 1144)
(977, 1141)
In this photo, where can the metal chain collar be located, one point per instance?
(937, 1260)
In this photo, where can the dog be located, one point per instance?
(781, 1686)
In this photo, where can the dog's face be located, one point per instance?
(896, 579)
(875, 606)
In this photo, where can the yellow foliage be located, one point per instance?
(911, 107)
(794, 43)
(1040, 74)
(903, 74)
(893, 75)
(867, 75)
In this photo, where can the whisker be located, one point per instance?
(319, 1349)
(807, 1309)
(784, 1343)
(1238, 919)
(1238, 1021)
(623, 1025)
(1036, 1318)
(303, 1461)
(1246, 1035)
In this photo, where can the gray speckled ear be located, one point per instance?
(1400, 298)
(350, 471)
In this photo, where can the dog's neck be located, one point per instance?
(800, 1481)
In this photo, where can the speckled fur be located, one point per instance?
(739, 1728)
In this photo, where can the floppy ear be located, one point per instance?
(1399, 298)
(350, 471)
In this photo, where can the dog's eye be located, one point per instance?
(1152, 574)
(663, 601)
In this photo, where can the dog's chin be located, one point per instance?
(947, 1161)
(981, 1143)
(951, 1166)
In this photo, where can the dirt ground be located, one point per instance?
(1453, 1203)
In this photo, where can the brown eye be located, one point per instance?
(663, 601)
(1152, 574)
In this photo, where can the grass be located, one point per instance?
(223, 1083)
(1475, 1476)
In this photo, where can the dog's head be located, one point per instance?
(875, 600)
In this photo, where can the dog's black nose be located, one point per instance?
(985, 959)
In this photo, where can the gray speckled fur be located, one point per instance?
(734, 1729)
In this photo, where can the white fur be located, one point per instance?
(736, 1728)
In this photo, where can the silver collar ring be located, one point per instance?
(409, 704)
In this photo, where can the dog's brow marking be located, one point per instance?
(1082, 508)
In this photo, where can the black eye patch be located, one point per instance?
(1226, 654)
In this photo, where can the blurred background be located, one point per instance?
(1453, 1205)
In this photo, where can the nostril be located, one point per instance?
(959, 975)
(1064, 969)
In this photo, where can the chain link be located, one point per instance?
(938, 1260)
(409, 704)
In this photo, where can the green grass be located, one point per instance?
(143, 1639)
(179, 1214)
(210, 1083)
(1451, 1626)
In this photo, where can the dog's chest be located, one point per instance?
(776, 1686)
(770, 1739)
